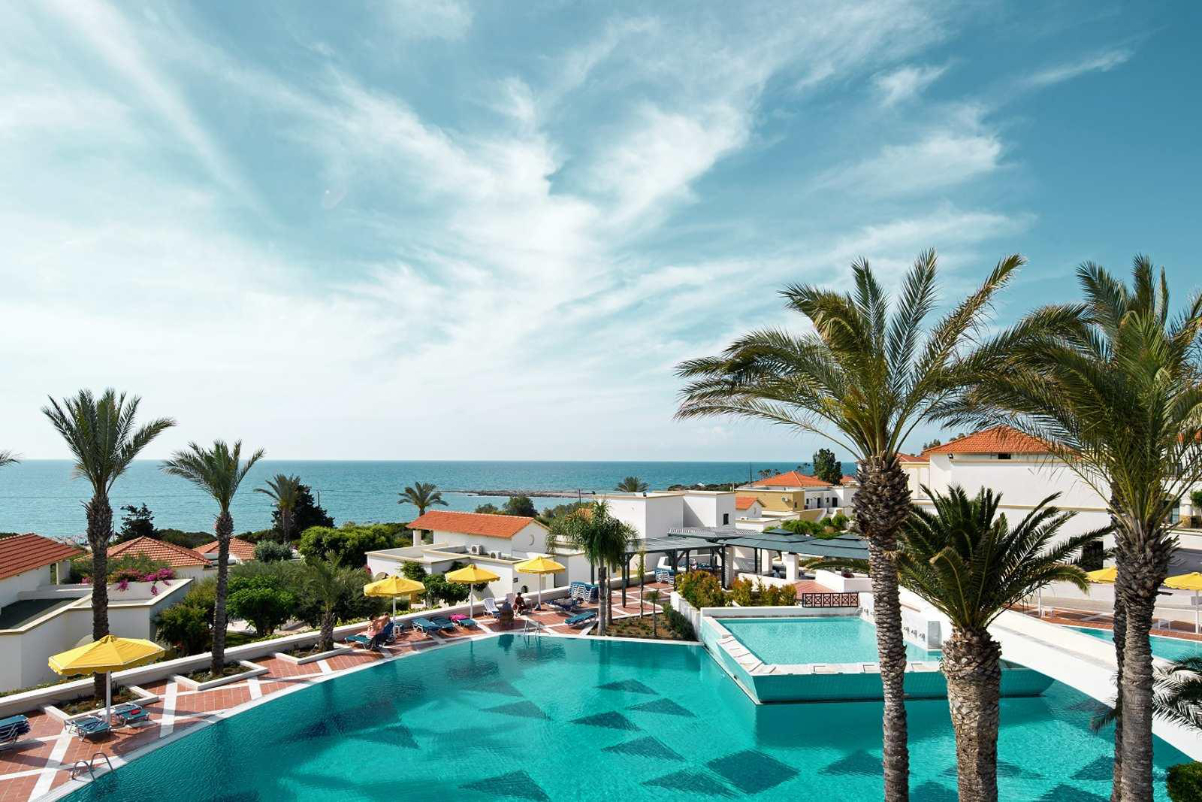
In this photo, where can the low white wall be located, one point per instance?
(841, 584)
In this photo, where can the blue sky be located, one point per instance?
(422, 230)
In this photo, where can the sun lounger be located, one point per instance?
(444, 624)
(490, 606)
(129, 714)
(89, 727)
(580, 619)
(567, 605)
(12, 730)
(466, 623)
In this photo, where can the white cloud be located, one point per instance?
(1100, 62)
(428, 19)
(939, 160)
(906, 83)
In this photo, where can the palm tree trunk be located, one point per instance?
(224, 528)
(601, 599)
(881, 506)
(1120, 646)
(327, 630)
(972, 665)
(100, 531)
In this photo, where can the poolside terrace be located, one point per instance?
(41, 764)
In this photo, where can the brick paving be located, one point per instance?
(42, 762)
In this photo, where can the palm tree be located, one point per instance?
(8, 458)
(218, 471)
(1176, 697)
(331, 584)
(285, 491)
(423, 496)
(970, 564)
(604, 540)
(631, 484)
(1114, 389)
(104, 439)
(862, 380)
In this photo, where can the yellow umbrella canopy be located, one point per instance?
(392, 587)
(106, 655)
(471, 575)
(540, 566)
(1191, 581)
(1103, 575)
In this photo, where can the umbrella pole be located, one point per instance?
(1039, 598)
(108, 696)
(540, 591)
(1196, 622)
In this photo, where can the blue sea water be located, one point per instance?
(841, 639)
(41, 495)
(517, 718)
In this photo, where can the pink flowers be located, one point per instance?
(123, 577)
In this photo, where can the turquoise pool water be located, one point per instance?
(844, 639)
(558, 719)
(1168, 648)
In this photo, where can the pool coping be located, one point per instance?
(77, 783)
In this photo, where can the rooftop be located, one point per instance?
(790, 479)
(21, 553)
(160, 551)
(743, 502)
(472, 523)
(242, 549)
(994, 440)
(15, 615)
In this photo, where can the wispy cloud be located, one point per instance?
(1099, 62)
(906, 83)
(427, 19)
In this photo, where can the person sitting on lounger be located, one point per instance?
(383, 633)
(520, 605)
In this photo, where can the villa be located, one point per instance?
(794, 491)
(748, 506)
(187, 563)
(241, 551)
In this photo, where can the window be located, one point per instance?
(1003, 456)
(726, 519)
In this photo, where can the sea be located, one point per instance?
(43, 496)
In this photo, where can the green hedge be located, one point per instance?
(1185, 782)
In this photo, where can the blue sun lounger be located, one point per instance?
(467, 623)
(580, 619)
(430, 626)
(89, 727)
(444, 624)
(567, 605)
(12, 729)
(129, 714)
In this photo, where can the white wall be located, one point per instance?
(707, 508)
(532, 539)
(30, 580)
(754, 511)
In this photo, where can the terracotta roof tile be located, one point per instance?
(161, 551)
(791, 479)
(994, 440)
(910, 458)
(849, 480)
(240, 548)
(744, 502)
(21, 553)
(472, 523)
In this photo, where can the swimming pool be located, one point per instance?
(835, 639)
(1168, 648)
(554, 718)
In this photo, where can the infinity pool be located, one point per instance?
(1168, 648)
(557, 719)
(842, 639)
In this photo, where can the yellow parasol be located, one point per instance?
(392, 587)
(471, 575)
(105, 656)
(1191, 581)
(1103, 575)
(540, 566)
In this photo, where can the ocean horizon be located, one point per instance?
(42, 496)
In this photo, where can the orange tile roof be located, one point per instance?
(242, 549)
(791, 479)
(849, 480)
(994, 440)
(160, 551)
(744, 502)
(471, 523)
(904, 458)
(21, 553)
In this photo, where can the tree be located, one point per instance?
(970, 564)
(604, 541)
(932, 443)
(348, 545)
(137, 522)
(653, 597)
(285, 491)
(104, 439)
(266, 608)
(184, 627)
(631, 484)
(863, 380)
(308, 513)
(8, 458)
(272, 551)
(423, 496)
(519, 505)
(826, 467)
(488, 509)
(766, 473)
(218, 471)
(331, 585)
(1112, 388)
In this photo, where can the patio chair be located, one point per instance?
(665, 575)
(580, 619)
(12, 729)
(490, 606)
(129, 714)
(426, 625)
(89, 727)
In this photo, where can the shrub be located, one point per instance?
(1185, 782)
(701, 589)
(203, 595)
(679, 624)
(756, 594)
(265, 608)
(185, 628)
(127, 567)
(272, 551)
(348, 545)
(778, 596)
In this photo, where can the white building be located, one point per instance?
(1019, 468)
(186, 562)
(41, 616)
(747, 506)
(653, 513)
(794, 492)
(481, 533)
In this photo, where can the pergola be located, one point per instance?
(677, 547)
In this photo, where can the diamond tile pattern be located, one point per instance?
(1100, 769)
(858, 762)
(645, 747)
(521, 709)
(1066, 793)
(751, 771)
(613, 721)
(934, 792)
(516, 785)
(665, 706)
(694, 782)
(630, 686)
